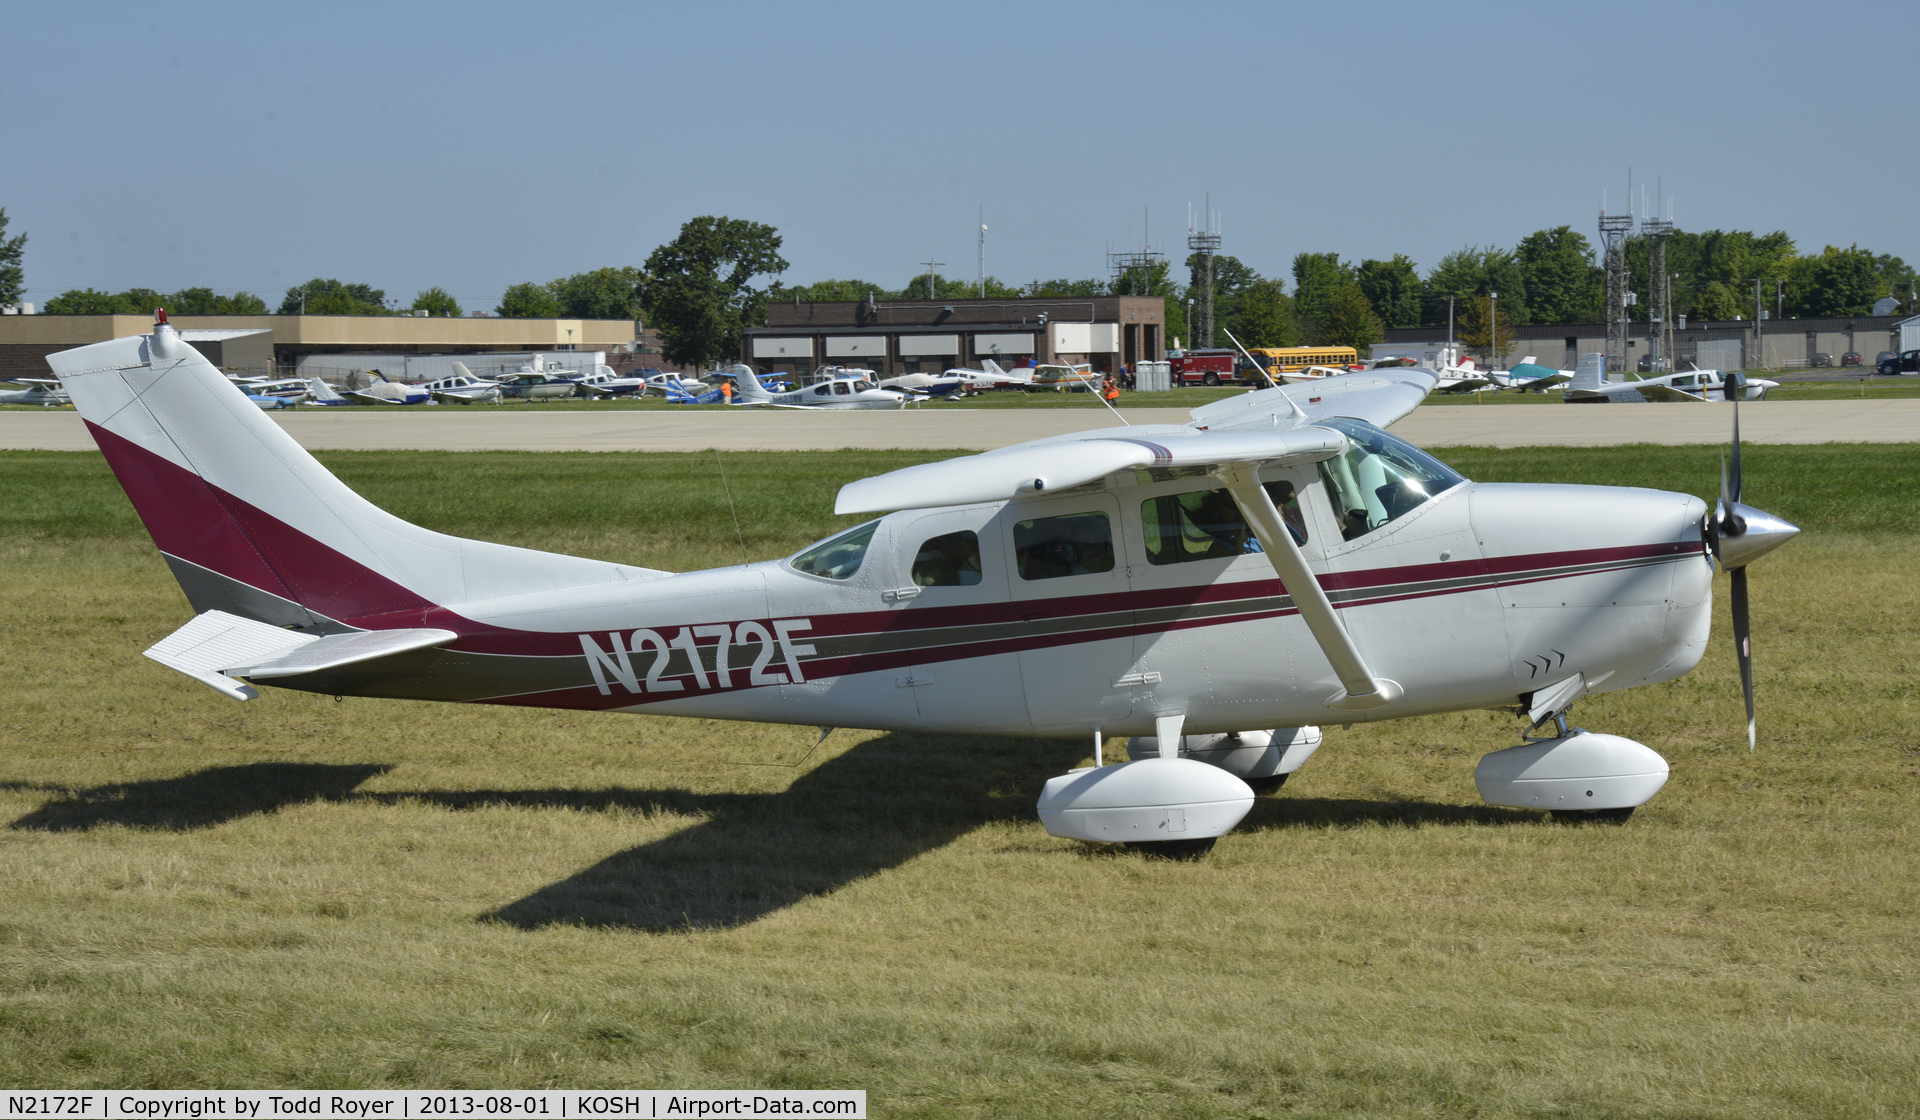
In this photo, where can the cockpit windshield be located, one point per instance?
(1379, 477)
(837, 557)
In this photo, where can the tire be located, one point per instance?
(1264, 786)
(1593, 816)
(1174, 849)
(1210, 380)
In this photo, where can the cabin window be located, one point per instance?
(837, 557)
(822, 390)
(1379, 478)
(840, 387)
(1206, 525)
(952, 560)
(1076, 544)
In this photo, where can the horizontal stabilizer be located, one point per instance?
(216, 640)
(343, 649)
(216, 647)
(1066, 462)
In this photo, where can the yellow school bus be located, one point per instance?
(1283, 360)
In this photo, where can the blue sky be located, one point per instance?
(251, 146)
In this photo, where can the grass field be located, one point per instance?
(298, 891)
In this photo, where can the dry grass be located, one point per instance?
(298, 891)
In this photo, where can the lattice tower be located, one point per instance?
(1136, 267)
(1613, 239)
(1208, 246)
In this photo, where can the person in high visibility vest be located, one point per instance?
(1112, 390)
(726, 391)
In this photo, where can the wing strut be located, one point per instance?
(1362, 689)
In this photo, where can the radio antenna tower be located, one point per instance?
(1660, 283)
(1137, 267)
(1206, 245)
(1613, 240)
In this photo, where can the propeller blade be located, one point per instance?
(1743, 644)
(1736, 449)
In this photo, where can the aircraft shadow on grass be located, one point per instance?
(871, 808)
(202, 799)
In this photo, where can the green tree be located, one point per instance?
(1351, 321)
(697, 288)
(527, 300)
(1561, 281)
(1477, 327)
(1318, 279)
(13, 277)
(203, 301)
(331, 297)
(826, 291)
(1262, 314)
(1394, 289)
(1477, 271)
(1837, 282)
(604, 293)
(1064, 289)
(436, 302)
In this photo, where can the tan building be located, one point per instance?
(896, 336)
(26, 340)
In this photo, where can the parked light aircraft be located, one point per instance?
(1526, 374)
(841, 391)
(463, 387)
(41, 391)
(603, 382)
(958, 381)
(664, 383)
(1694, 385)
(1461, 377)
(1091, 584)
(383, 391)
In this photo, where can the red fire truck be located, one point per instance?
(1209, 367)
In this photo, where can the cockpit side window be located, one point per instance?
(951, 560)
(1379, 478)
(1206, 525)
(823, 390)
(840, 387)
(1072, 545)
(837, 557)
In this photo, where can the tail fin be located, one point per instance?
(323, 391)
(253, 525)
(461, 369)
(748, 383)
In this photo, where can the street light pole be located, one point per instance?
(1493, 328)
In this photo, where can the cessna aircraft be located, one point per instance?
(1215, 589)
(383, 391)
(1525, 374)
(41, 391)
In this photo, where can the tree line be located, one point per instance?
(719, 274)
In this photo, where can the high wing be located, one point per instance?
(1633, 391)
(1267, 426)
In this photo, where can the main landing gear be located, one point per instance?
(1578, 775)
(1173, 803)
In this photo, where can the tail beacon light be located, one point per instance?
(1148, 801)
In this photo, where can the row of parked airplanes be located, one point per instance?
(837, 388)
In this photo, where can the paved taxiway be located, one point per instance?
(472, 429)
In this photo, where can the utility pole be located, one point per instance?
(1493, 329)
(1757, 361)
(932, 267)
(983, 252)
(1450, 300)
(1779, 296)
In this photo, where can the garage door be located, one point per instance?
(990, 344)
(857, 346)
(931, 345)
(783, 348)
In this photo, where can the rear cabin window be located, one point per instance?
(1379, 478)
(1206, 525)
(1075, 544)
(837, 557)
(952, 560)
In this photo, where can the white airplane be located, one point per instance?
(959, 381)
(383, 391)
(1461, 377)
(841, 391)
(603, 382)
(321, 393)
(463, 387)
(1092, 584)
(665, 383)
(40, 391)
(1694, 385)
